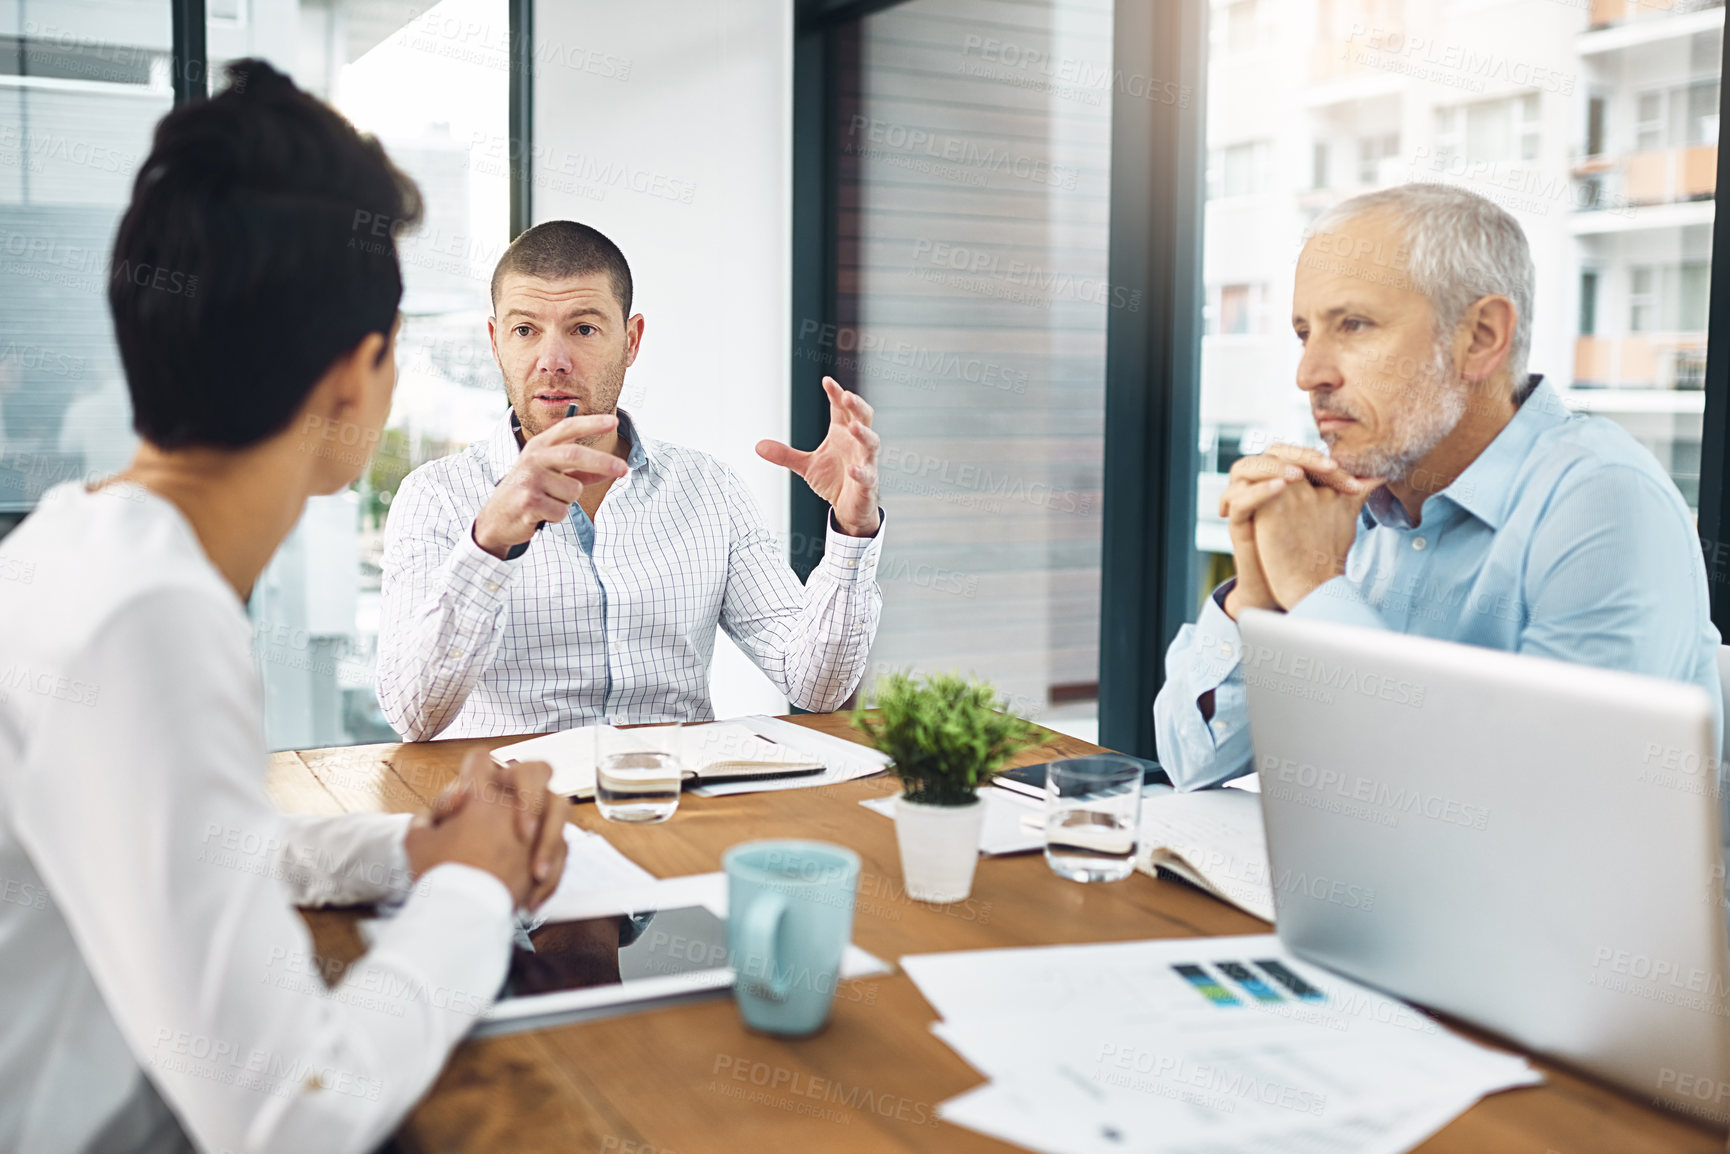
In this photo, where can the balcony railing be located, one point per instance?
(1608, 12)
(1355, 36)
(1661, 176)
(1641, 361)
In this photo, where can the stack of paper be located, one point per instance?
(1196, 1046)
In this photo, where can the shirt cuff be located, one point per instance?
(454, 936)
(1339, 601)
(471, 885)
(476, 575)
(1218, 646)
(853, 558)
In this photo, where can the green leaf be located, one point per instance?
(947, 735)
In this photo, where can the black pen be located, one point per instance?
(571, 410)
(516, 551)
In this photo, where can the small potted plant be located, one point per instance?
(948, 737)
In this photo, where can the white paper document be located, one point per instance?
(712, 746)
(592, 867)
(842, 760)
(1005, 829)
(1196, 1046)
(1213, 838)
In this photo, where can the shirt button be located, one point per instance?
(454, 654)
(1418, 543)
(492, 586)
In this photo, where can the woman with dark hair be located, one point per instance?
(158, 988)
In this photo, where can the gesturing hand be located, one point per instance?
(843, 469)
(545, 482)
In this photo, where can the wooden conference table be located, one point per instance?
(664, 1081)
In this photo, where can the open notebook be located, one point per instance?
(1211, 838)
(710, 754)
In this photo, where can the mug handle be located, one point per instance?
(758, 930)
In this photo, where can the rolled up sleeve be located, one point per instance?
(1197, 751)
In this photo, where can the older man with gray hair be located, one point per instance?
(1458, 498)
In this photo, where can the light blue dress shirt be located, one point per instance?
(1564, 539)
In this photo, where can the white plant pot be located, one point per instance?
(939, 848)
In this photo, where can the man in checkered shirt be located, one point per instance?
(608, 612)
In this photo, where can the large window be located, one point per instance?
(82, 83)
(1597, 129)
(974, 177)
(431, 83)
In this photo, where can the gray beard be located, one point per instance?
(1414, 435)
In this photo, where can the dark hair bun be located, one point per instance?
(260, 246)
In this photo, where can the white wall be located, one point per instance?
(667, 124)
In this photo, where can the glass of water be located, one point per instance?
(637, 776)
(1092, 806)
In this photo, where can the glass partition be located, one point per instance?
(431, 83)
(82, 84)
(974, 182)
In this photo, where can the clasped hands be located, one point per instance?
(500, 819)
(1292, 514)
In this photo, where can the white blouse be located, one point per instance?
(147, 884)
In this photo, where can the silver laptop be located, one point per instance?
(1528, 845)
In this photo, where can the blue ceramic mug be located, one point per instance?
(789, 919)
